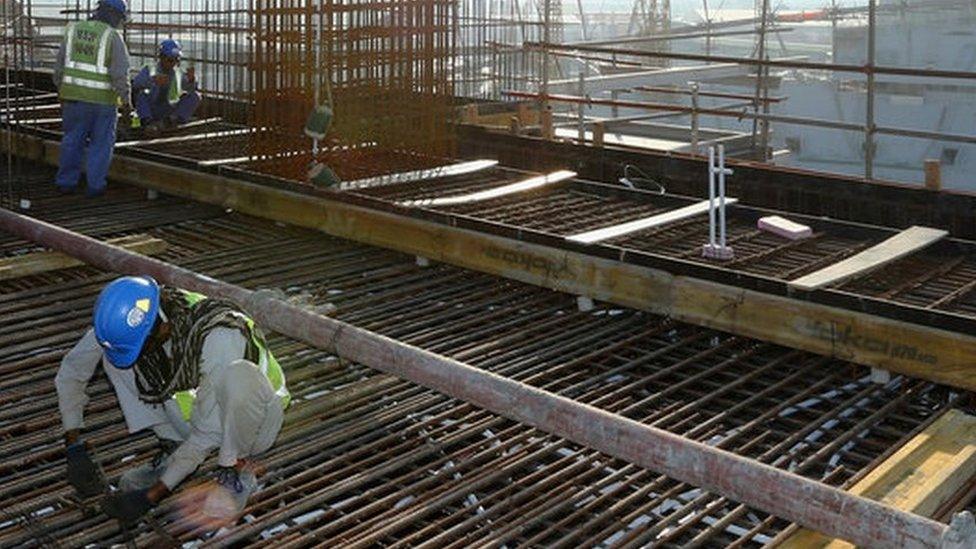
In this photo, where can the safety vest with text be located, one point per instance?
(267, 364)
(87, 56)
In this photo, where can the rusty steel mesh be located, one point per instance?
(383, 65)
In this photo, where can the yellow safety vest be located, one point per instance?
(266, 363)
(175, 87)
(87, 57)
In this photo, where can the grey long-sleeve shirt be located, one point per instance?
(118, 68)
(220, 349)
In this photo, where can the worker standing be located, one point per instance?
(92, 76)
(196, 371)
(165, 95)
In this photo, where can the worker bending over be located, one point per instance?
(91, 73)
(196, 371)
(165, 95)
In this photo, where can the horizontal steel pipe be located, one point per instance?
(721, 111)
(781, 493)
(705, 33)
(778, 63)
(671, 107)
(724, 95)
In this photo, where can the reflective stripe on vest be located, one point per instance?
(175, 92)
(83, 82)
(267, 364)
(86, 63)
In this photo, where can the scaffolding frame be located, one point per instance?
(611, 53)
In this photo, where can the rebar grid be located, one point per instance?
(369, 459)
(384, 67)
(939, 279)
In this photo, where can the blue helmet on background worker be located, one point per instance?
(120, 6)
(170, 48)
(125, 314)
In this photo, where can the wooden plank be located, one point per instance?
(449, 170)
(904, 243)
(27, 98)
(37, 121)
(627, 140)
(924, 352)
(249, 158)
(613, 231)
(287, 154)
(45, 261)
(183, 138)
(17, 110)
(921, 477)
(498, 192)
(199, 122)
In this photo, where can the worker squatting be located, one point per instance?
(195, 371)
(91, 73)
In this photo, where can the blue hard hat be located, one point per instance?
(125, 314)
(170, 48)
(120, 6)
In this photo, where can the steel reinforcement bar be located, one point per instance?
(785, 494)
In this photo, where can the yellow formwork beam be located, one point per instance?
(919, 351)
(45, 261)
(921, 477)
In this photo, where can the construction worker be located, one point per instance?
(165, 95)
(197, 372)
(91, 73)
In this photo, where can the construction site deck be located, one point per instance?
(844, 357)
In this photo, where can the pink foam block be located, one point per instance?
(784, 227)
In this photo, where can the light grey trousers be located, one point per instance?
(237, 402)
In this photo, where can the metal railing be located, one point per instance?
(604, 51)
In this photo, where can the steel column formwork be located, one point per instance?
(785, 494)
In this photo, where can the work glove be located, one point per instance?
(125, 118)
(127, 507)
(82, 473)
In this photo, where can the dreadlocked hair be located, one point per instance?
(158, 376)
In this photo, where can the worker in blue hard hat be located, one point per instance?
(197, 372)
(91, 73)
(164, 94)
